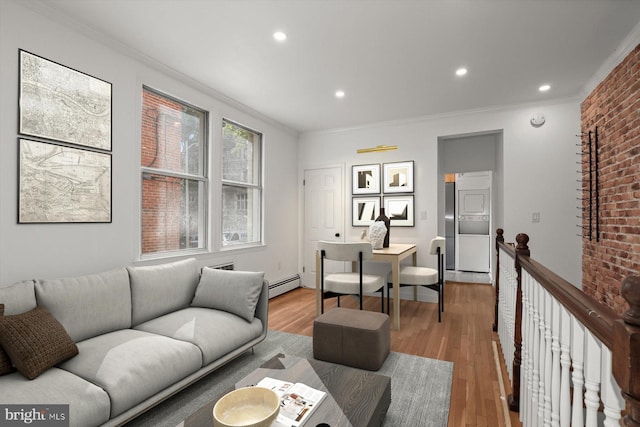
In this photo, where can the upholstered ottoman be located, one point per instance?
(355, 338)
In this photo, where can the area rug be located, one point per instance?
(420, 387)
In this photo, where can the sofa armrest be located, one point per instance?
(262, 308)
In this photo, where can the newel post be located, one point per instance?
(521, 250)
(626, 350)
(499, 239)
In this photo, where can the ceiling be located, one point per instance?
(394, 59)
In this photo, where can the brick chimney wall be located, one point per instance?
(614, 107)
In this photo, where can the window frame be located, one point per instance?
(204, 192)
(259, 187)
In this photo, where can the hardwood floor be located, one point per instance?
(464, 337)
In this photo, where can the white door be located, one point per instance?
(323, 216)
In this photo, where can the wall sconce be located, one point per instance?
(377, 148)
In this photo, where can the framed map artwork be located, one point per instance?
(62, 104)
(58, 183)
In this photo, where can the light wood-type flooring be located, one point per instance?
(464, 337)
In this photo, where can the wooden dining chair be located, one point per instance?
(348, 283)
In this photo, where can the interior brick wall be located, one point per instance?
(614, 107)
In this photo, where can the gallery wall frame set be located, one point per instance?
(65, 136)
(396, 179)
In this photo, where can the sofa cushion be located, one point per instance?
(236, 292)
(35, 341)
(215, 332)
(88, 305)
(18, 298)
(132, 366)
(5, 363)
(160, 289)
(88, 404)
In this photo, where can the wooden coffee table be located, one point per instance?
(354, 397)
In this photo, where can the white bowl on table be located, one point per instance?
(247, 407)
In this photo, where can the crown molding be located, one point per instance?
(448, 115)
(628, 44)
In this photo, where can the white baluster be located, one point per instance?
(577, 357)
(592, 379)
(524, 368)
(542, 391)
(548, 367)
(565, 363)
(555, 363)
(535, 352)
(611, 396)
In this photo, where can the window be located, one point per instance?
(241, 185)
(174, 181)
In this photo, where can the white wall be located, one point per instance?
(538, 174)
(56, 250)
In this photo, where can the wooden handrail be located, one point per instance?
(596, 317)
(621, 334)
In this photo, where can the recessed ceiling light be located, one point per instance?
(544, 88)
(461, 72)
(339, 94)
(279, 36)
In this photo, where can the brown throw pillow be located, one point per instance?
(35, 341)
(5, 362)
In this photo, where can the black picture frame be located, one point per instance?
(62, 184)
(364, 211)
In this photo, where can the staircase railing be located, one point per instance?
(571, 361)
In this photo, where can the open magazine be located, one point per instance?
(297, 400)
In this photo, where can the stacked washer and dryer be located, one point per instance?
(473, 215)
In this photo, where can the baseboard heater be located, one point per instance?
(225, 266)
(281, 286)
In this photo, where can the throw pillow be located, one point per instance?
(235, 292)
(5, 362)
(35, 341)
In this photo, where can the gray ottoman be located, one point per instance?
(356, 338)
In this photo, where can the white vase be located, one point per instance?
(377, 232)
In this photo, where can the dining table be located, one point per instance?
(394, 254)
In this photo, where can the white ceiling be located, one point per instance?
(395, 59)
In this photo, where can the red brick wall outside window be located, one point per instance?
(169, 214)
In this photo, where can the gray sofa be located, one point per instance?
(142, 334)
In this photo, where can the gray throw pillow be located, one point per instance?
(235, 292)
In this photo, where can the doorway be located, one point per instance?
(468, 154)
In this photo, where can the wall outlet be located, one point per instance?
(535, 216)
